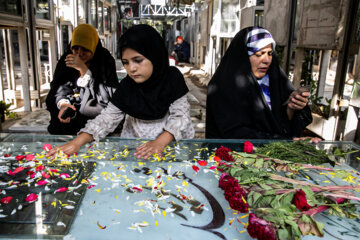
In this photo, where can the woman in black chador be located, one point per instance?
(84, 81)
(250, 97)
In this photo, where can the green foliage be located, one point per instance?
(296, 151)
(4, 107)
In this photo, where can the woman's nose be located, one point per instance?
(266, 58)
(132, 67)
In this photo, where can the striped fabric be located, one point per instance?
(257, 39)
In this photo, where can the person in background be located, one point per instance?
(84, 81)
(250, 97)
(151, 98)
(182, 50)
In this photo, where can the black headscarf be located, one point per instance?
(236, 108)
(151, 99)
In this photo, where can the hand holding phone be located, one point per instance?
(69, 112)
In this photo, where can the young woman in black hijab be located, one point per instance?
(84, 80)
(151, 98)
(250, 97)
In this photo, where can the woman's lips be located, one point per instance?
(263, 69)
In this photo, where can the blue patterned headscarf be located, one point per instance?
(257, 39)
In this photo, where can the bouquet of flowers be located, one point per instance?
(282, 207)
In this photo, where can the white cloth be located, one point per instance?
(84, 80)
(177, 122)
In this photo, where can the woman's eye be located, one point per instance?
(125, 63)
(138, 60)
(270, 53)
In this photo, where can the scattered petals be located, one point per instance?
(7, 155)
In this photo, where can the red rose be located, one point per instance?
(223, 153)
(260, 229)
(300, 201)
(227, 182)
(248, 147)
(237, 203)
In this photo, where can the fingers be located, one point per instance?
(146, 150)
(71, 60)
(298, 102)
(312, 139)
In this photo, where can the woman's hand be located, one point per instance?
(63, 107)
(68, 148)
(312, 139)
(298, 101)
(156, 146)
(74, 61)
(73, 146)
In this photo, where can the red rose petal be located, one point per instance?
(195, 168)
(47, 147)
(30, 157)
(212, 167)
(20, 157)
(7, 155)
(39, 168)
(64, 175)
(202, 163)
(45, 175)
(31, 197)
(41, 182)
(6, 200)
(216, 158)
(91, 186)
(19, 169)
(62, 189)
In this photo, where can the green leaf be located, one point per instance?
(259, 163)
(283, 234)
(294, 227)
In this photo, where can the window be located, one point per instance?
(229, 17)
(12, 7)
(81, 10)
(100, 18)
(259, 18)
(43, 9)
(93, 17)
(107, 18)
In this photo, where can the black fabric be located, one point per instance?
(183, 51)
(103, 70)
(236, 108)
(151, 99)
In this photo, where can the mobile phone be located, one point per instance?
(69, 112)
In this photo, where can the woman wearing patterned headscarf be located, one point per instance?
(84, 81)
(250, 97)
(151, 98)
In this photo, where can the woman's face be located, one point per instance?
(84, 54)
(138, 67)
(260, 61)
